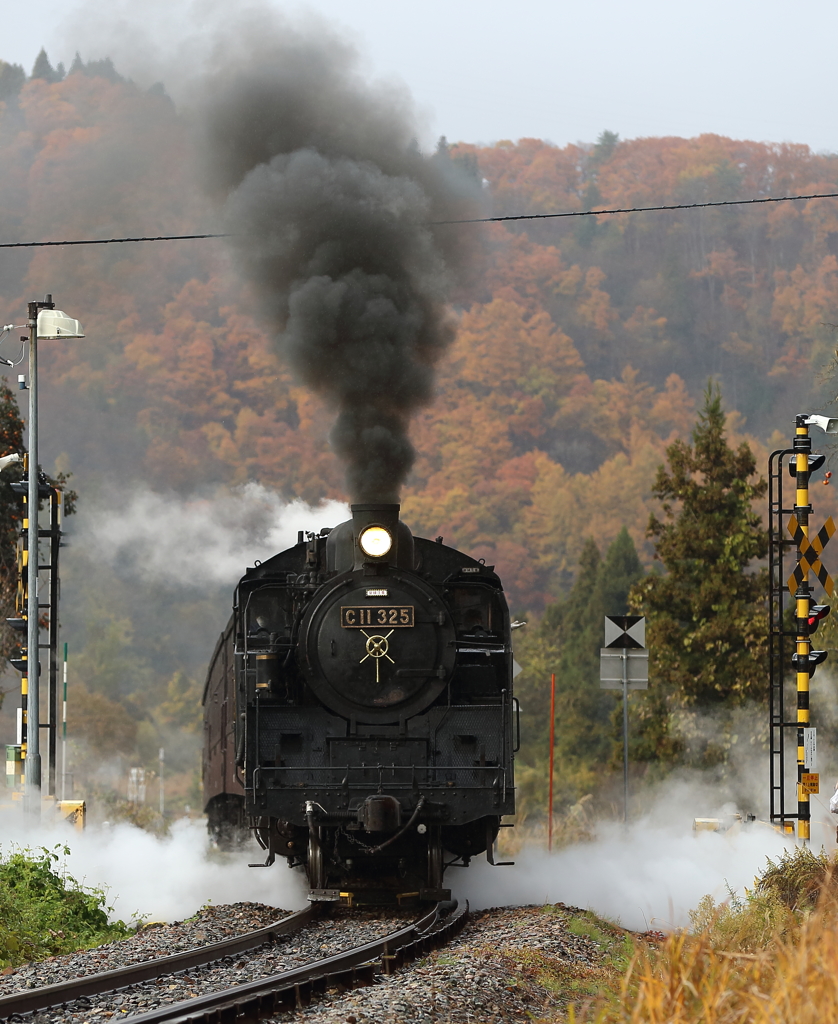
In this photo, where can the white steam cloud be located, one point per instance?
(648, 875)
(197, 541)
(159, 879)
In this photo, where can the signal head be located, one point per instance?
(815, 463)
(811, 662)
(818, 612)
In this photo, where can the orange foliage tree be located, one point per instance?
(581, 345)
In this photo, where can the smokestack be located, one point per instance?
(330, 204)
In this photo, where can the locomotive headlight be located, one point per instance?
(375, 541)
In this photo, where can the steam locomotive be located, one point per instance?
(359, 714)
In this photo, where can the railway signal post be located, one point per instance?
(624, 664)
(44, 322)
(790, 527)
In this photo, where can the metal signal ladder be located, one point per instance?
(778, 541)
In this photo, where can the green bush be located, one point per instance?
(44, 912)
(800, 878)
(783, 895)
(750, 923)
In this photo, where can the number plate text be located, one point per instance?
(376, 615)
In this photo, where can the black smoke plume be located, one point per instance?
(331, 205)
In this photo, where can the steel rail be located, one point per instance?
(294, 989)
(32, 1000)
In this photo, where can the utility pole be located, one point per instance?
(32, 784)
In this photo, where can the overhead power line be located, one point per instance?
(468, 220)
(106, 241)
(639, 209)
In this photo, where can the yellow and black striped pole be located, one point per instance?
(20, 605)
(802, 508)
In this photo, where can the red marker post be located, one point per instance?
(552, 744)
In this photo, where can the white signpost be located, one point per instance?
(617, 667)
(624, 665)
(810, 749)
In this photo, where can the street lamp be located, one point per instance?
(45, 323)
(828, 424)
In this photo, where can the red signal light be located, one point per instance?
(816, 613)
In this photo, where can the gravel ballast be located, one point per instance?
(506, 964)
(514, 963)
(340, 931)
(210, 924)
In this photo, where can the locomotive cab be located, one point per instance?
(369, 686)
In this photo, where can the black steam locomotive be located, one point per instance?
(358, 710)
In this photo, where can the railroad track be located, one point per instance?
(32, 1000)
(287, 990)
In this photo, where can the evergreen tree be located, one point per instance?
(567, 642)
(620, 571)
(95, 69)
(604, 148)
(12, 78)
(158, 89)
(103, 69)
(707, 614)
(43, 69)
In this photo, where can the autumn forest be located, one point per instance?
(582, 348)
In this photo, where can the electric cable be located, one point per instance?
(467, 220)
(639, 209)
(107, 241)
(13, 362)
(6, 329)
(20, 357)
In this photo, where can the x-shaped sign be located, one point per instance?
(377, 648)
(810, 552)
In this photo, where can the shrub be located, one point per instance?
(800, 878)
(44, 912)
(767, 957)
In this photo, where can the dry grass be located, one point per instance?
(688, 981)
(576, 825)
(771, 958)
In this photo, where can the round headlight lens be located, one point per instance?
(375, 541)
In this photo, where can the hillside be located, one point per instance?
(581, 349)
